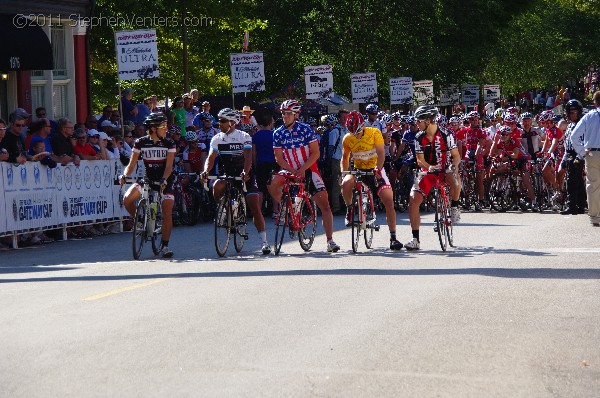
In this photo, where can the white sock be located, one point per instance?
(263, 236)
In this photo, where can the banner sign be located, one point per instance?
(449, 95)
(318, 81)
(247, 72)
(491, 92)
(137, 55)
(364, 87)
(401, 90)
(470, 94)
(3, 227)
(423, 90)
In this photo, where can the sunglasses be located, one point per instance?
(287, 112)
(18, 125)
(223, 121)
(420, 121)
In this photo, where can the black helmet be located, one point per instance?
(426, 112)
(573, 104)
(155, 119)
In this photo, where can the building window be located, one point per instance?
(59, 101)
(58, 49)
(37, 75)
(38, 97)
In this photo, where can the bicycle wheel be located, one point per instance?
(139, 229)
(448, 225)
(280, 223)
(308, 223)
(356, 221)
(240, 234)
(155, 238)
(502, 192)
(440, 219)
(370, 215)
(222, 230)
(190, 202)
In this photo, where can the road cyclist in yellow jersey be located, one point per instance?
(366, 146)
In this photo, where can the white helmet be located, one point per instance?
(229, 114)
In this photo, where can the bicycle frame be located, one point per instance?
(361, 191)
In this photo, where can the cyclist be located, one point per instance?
(297, 151)
(205, 132)
(554, 150)
(234, 148)
(366, 145)
(476, 144)
(192, 154)
(372, 118)
(530, 140)
(158, 153)
(432, 147)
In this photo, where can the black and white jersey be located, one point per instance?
(230, 148)
(154, 155)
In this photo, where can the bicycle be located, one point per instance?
(297, 212)
(468, 194)
(147, 221)
(403, 186)
(363, 214)
(187, 203)
(506, 189)
(230, 217)
(443, 221)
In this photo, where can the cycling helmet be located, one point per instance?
(204, 116)
(526, 115)
(412, 120)
(557, 118)
(426, 112)
(354, 122)
(301, 119)
(573, 104)
(454, 119)
(499, 113)
(381, 114)
(372, 108)
(330, 119)
(387, 119)
(510, 118)
(155, 119)
(472, 115)
(311, 120)
(175, 129)
(191, 136)
(406, 119)
(545, 116)
(396, 115)
(441, 120)
(512, 109)
(504, 130)
(229, 114)
(290, 106)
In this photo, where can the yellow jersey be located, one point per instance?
(363, 150)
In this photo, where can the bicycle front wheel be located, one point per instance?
(370, 215)
(222, 230)
(356, 218)
(308, 224)
(139, 229)
(157, 234)
(240, 224)
(440, 219)
(280, 223)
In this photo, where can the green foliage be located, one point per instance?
(516, 43)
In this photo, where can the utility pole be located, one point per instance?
(186, 78)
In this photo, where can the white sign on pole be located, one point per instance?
(491, 92)
(247, 72)
(318, 81)
(449, 95)
(137, 55)
(364, 87)
(424, 92)
(3, 226)
(401, 90)
(470, 94)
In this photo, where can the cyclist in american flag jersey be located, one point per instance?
(296, 151)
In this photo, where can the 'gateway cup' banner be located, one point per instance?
(247, 72)
(318, 81)
(364, 87)
(401, 90)
(137, 55)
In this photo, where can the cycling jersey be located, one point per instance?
(377, 124)
(530, 140)
(194, 159)
(553, 133)
(295, 143)
(516, 134)
(204, 137)
(436, 151)
(409, 138)
(508, 147)
(154, 155)
(230, 148)
(473, 136)
(363, 148)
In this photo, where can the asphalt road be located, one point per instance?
(513, 311)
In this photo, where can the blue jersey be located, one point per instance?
(409, 138)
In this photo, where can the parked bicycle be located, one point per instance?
(147, 222)
(230, 217)
(362, 210)
(297, 213)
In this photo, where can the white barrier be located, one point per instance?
(37, 197)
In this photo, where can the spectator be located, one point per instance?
(42, 130)
(107, 127)
(106, 143)
(128, 140)
(143, 111)
(91, 123)
(128, 107)
(139, 132)
(38, 153)
(61, 143)
(13, 142)
(195, 95)
(206, 108)
(40, 113)
(190, 112)
(3, 152)
(264, 157)
(106, 113)
(118, 145)
(84, 149)
(115, 119)
(585, 139)
(179, 113)
(549, 101)
(153, 105)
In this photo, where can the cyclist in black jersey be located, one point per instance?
(158, 153)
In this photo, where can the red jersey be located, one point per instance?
(437, 150)
(461, 134)
(473, 135)
(508, 147)
(553, 133)
(516, 134)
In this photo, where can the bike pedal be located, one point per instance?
(245, 236)
(376, 227)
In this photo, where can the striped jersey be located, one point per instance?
(294, 143)
(154, 155)
(435, 151)
(230, 148)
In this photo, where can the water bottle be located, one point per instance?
(152, 221)
(234, 208)
(153, 211)
(297, 203)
